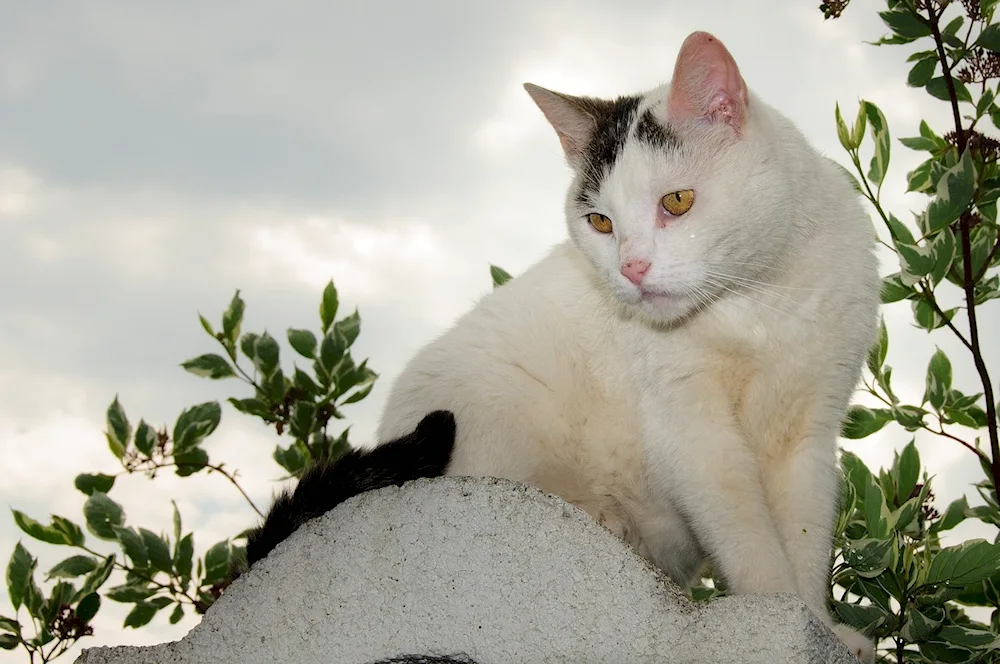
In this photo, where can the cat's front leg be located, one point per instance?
(698, 460)
(800, 480)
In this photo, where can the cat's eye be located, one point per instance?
(600, 223)
(678, 202)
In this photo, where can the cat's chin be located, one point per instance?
(661, 307)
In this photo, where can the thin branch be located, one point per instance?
(930, 298)
(969, 282)
(989, 259)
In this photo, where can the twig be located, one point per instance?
(961, 141)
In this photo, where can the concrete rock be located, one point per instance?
(491, 569)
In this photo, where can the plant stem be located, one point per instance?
(929, 294)
(961, 141)
(221, 471)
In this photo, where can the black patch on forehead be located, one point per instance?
(613, 120)
(650, 131)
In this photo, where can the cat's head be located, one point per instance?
(678, 195)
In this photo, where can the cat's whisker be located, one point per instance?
(737, 293)
(740, 281)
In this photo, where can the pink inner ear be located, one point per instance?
(707, 84)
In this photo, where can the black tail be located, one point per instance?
(424, 453)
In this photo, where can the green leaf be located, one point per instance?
(217, 563)
(909, 470)
(902, 517)
(88, 607)
(921, 624)
(877, 353)
(145, 442)
(72, 532)
(331, 350)
(350, 327)
(922, 72)
(97, 578)
(206, 325)
(9, 641)
(194, 425)
(943, 251)
(967, 637)
(328, 306)
(133, 546)
(10, 625)
(303, 341)
(232, 319)
(954, 194)
(290, 458)
(880, 135)
(868, 557)
(140, 615)
(209, 365)
(190, 462)
(306, 384)
(88, 483)
(928, 318)
(910, 417)
(248, 344)
(900, 231)
(969, 562)
(359, 395)
(254, 407)
(102, 515)
(266, 355)
(184, 556)
(177, 614)
(130, 592)
(938, 88)
(863, 421)
(938, 379)
(875, 510)
(989, 38)
(20, 570)
(73, 567)
(843, 133)
(915, 262)
(159, 550)
(118, 429)
(177, 525)
(856, 472)
(500, 276)
(48, 534)
(905, 24)
(920, 143)
(865, 619)
(894, 290)
(921, 179)
(303, 419)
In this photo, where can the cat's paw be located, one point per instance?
(860, 645)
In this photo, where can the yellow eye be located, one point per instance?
(600, 222)
(678, 202)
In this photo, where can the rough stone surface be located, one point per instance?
(497, 571)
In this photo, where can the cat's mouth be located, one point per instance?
(657, 295)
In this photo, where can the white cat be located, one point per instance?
(681, 366)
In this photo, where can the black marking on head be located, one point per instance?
(426, 452)
(649, 130)
(612, 122)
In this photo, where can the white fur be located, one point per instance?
(701, 425)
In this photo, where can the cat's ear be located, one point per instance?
(707, 84)
(569, 116)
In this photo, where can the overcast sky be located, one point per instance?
(156, 156)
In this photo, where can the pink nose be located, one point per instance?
(635, 270)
